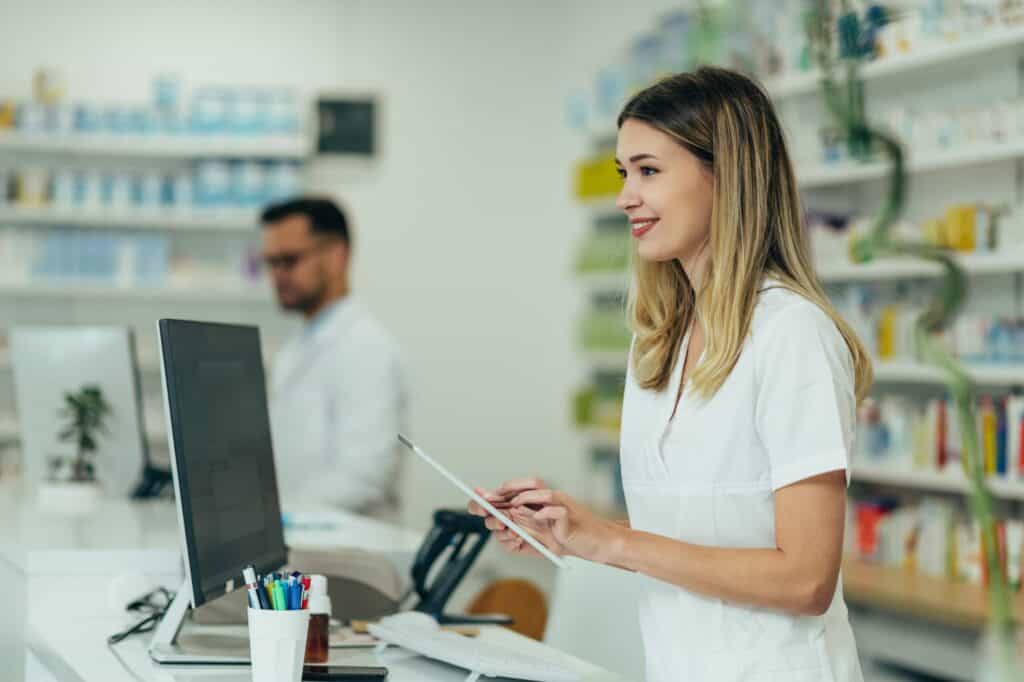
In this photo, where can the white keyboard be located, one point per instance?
(420, 633)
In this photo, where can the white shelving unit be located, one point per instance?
(936, 481)
(10, 434)
(607, 360)
(601, 438)
(233, 220)
(84, 291)
(825, 175)
(907, 268)
(603, 206)
(924, 56)
(904, 372)
(917, 373)
(881, 269)
(609, 282)
(160, 146)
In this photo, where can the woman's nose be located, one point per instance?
(626, 199)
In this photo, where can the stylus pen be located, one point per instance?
(525, 535)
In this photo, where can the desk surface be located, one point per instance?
(75, 649)
(38, 541)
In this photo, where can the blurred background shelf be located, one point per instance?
(825, 175)
(919, 373)
(597, 437)
(610, 282)
(159, 146)
(609, 360)
(923, 56)
(603, 206)
(933, 599)
(212, 294)
(951, 481)
(906, 268)
(233, 220)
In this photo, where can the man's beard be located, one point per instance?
(308, 303)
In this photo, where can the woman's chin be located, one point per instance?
(649, 251)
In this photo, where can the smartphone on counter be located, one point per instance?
(342, 673)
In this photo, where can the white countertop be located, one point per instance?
(144, 534)
(75, 649)
(39, 541)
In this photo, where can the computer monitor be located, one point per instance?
(49, 362)
(222, 465)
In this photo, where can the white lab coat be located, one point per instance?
(338, 401)
(707, 476)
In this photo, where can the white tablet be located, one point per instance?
(533, 542)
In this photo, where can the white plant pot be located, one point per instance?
(71, 498)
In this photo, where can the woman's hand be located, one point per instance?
(576, 529)
(556, 519)
(500, 498)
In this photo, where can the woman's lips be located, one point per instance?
(642, 226)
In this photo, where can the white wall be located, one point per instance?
(462, 229)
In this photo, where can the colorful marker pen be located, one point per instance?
(306, 582)
(280, 602)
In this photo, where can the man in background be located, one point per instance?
(338, 396)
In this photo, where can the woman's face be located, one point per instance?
(666, 193)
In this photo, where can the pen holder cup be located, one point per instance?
(277, 644)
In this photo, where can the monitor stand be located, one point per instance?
(199, 644)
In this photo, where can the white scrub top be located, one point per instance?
(707, 476)
(338, 401)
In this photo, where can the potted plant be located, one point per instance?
(72, 484)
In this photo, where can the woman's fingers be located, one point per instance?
(515, 486)
(541, 497)
(552, 513)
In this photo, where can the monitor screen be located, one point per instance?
(221, 453)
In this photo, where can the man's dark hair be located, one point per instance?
(325, 218)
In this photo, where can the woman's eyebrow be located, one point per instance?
(638, 157)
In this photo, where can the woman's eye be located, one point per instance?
(647, 170)
(621, 173)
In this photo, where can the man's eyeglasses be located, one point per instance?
(289, 259)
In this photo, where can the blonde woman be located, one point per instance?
(739, 405)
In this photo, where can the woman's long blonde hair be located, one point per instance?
(757, 230)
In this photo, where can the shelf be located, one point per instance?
(10, 434)
(231, 220)
(602, 206)
(148, 365)
(83, 291)
(912, 372)
(824, 175)
(607, 282)
(905, 268)
(952, 481)
(609, 360)
(159, 146)
(934, 599)
(597, 437)
(927, 55)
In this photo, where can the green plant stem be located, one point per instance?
(940, 312)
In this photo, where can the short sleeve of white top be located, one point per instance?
(708, 476)
(805, 403)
